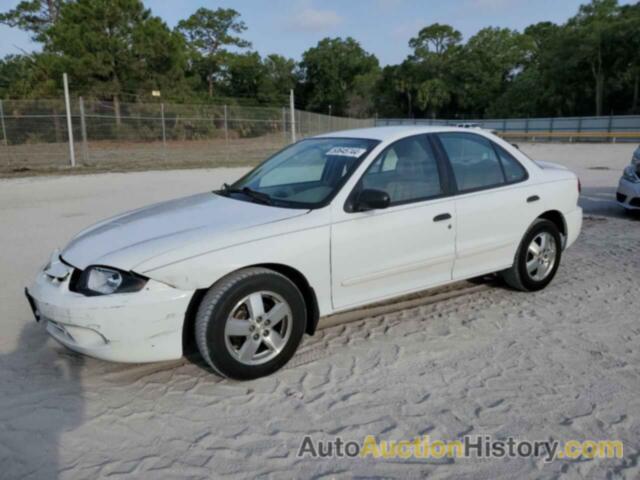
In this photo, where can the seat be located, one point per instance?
(416, 174)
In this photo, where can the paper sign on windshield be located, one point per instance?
(346, 151)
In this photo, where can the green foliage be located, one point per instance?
(111, 47)
(435, 38)
(116, 49)
(207, 33)
(34, 16)
(331, 71)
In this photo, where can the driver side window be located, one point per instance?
(407, 170)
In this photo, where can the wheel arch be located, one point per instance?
(298, 279)
(557, 218)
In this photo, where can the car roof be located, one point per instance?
(392, 132)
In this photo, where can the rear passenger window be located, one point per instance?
(407, 171)
(473, 159)
(513, 171)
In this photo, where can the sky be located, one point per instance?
(382, 27)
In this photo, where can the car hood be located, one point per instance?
(208, 219)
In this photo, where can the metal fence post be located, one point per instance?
(4, 128)
(284, 123)
(164, 128)
(292, 110)
(67, 102)
(226, 125)
(226, 133)
(526, 125)
(83, 131)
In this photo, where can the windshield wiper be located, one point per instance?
(254, 194)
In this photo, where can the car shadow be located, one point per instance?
(41, 398)
(193, 356)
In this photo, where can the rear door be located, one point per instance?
(494, 203)
(408, 246)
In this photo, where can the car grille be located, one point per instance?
(621, 197)
(635, 202)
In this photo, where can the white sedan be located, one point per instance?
(329, 223)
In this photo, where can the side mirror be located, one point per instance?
(370, 199)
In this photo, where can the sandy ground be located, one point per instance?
(560, 364)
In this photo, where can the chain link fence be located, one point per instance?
(34, 134)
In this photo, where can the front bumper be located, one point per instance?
(628, 194)
(144, 326)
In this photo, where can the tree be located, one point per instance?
(23, 76)
(488, 65)
(429, 70)
(628, 31)
(35, 16)
(111, 47)
(433, 94)
(435, 38)
(330, 70)
(595, 28)
(360, 100)
(280, 77)
(208, 32)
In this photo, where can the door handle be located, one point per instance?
(442, 217)
(533, 198)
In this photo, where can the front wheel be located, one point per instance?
(537, 259)
(250, 323)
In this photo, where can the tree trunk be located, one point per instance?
(598, 75)
(210, 85)
(599, 93)
(409, 105)
(636, 92)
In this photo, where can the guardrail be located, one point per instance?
(612, 137)
(613, 128)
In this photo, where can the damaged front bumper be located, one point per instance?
(628, 194)
(144, 326)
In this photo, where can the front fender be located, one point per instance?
(305, 250)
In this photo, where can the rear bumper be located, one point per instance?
(574, 226)
(144, 326)
(628, 194)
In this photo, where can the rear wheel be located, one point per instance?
(537, 259)
(250, 323)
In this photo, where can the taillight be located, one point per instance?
(579, 187)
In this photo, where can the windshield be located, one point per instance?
(306, 174)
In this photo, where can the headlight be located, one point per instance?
(630, 174)
(635, 160)
(104, 281)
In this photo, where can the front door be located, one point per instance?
(408, 246)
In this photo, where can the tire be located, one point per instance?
(240, 307)
(528, 279)
(632, 212)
